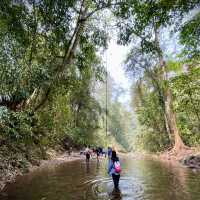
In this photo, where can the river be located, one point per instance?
(141, 179)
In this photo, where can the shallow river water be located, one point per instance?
(141, 179)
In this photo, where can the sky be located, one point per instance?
(114, 57)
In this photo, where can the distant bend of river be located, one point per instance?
(140, 180)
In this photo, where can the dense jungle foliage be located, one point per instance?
(164, 60)
(53, 79)
(51, 61)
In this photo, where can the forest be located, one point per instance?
(56, 92)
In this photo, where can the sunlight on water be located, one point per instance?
(140, 180)
(102, 188)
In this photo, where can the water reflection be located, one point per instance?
(87, 167)
(116, 194)
(140, 180)
(98, 165)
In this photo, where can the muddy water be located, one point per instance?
(140, 180)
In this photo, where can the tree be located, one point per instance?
(48, 34)
(49, 63)
(144, 20)
(189, 37)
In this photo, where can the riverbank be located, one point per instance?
(189, 157)
(57, 160)
(54, 158)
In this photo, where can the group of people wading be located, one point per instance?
(114, 167)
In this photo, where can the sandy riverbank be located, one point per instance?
(55, 158)
(189, 157)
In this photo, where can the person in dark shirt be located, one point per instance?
(109, 152)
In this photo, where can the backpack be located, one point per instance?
(117, 167)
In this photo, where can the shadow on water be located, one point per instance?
(102, 188)
(116, 195)
(87, 167)
(140, 180)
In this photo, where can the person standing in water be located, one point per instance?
(97, 153)
(87, 154)
(109, 153)
(109, 156)
(114, 169)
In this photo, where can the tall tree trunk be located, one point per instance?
(170, 115)
(67, 59)
(156, 84)
(171, 118)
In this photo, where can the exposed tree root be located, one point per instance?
(178, 153)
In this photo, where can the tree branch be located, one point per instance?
(44, 99)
